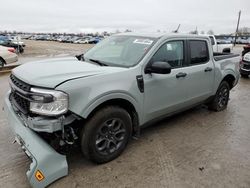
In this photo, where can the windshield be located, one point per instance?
(121, 51)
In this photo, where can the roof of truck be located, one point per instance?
(160, 35)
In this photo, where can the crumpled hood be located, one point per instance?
(52, 72)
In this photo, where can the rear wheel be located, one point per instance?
(106, 134)
(221, 98)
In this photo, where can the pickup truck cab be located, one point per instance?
(220, 47)
(123, 83)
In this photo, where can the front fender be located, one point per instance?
(93, 104)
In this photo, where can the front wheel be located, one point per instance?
(106, 134)
(221, 98)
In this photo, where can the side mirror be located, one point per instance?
(80, 57)
(158, 67)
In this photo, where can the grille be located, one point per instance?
(246, 66)
(19, 83)
(20, 102)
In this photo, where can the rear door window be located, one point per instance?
(198, 52)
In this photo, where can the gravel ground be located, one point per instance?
(197, 148)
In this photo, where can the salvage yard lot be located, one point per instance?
(197, 148)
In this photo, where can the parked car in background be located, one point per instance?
(17, 40)
(84, 40)
(245, 65)
(65, 39)
(223, 41)
(219, 46)
(241, 40)
(6, 41)
(7, 55)
(43, 37)
(94, 40)
(246, 49)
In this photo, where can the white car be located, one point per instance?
(223, 47)
(7, 55)
(17, 40)
(82, 41)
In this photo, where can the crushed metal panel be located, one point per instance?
(44, 158)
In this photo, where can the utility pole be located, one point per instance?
(237, 28)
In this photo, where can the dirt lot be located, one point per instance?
(36, 50)
(197, 148)
(51, 49)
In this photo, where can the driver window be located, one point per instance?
(171, 52)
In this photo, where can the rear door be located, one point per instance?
(200, 72)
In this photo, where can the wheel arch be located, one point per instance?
(230, 79)
(124, 102)
(3, 60)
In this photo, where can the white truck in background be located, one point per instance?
(218, 47)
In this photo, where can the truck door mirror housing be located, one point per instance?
(158, 67)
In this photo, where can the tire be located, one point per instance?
(244, 75)
(19, 49)
(2, 62)
(106, 134)
(221, 98)
(226, 50)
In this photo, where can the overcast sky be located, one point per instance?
(137, 15)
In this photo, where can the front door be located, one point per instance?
(166, 93)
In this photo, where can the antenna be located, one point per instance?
(176, 31)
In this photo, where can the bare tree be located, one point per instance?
(244, 31)
(127, 30)
(195, 32)
(117, 31)
(210, 32)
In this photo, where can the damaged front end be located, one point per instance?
(42, 137)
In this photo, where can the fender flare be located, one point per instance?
(93, 104)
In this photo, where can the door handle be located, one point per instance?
(208, 69)
(181, 74)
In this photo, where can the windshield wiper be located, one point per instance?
(98, 62)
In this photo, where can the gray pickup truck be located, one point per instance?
(103, 99)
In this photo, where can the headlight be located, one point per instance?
(246, 57)
(48, 102)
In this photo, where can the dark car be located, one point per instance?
(245, 63)
(94, 40)
(6, 41)
(246, 49)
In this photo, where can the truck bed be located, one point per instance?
(220, 56)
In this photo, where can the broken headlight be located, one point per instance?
(246, 57)
(48, 102)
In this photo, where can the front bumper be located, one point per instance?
(244, 71)
(45, 160)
